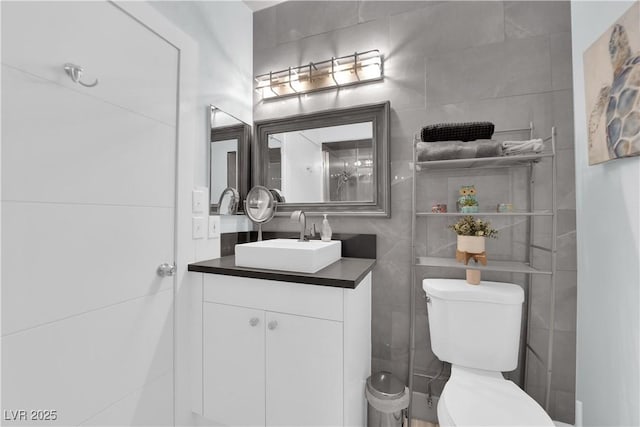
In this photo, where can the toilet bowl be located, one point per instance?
(481, 398)
(476, 328)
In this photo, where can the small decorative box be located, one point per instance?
(439, 208)
(505, 207)
(470, 209)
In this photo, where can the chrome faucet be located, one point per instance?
(299, 216)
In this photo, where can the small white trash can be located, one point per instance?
(387, 397)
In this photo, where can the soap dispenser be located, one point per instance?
(325, 231)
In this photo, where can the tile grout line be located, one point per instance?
(505, 97)
(130, 393)
(97, 98)
(83, 313)
(84, 204)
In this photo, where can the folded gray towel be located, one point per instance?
(448, 150)
(469, 131)
(523, 147)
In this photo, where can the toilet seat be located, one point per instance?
(478, 399)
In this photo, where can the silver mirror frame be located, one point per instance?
(241, 132)
(378, 114)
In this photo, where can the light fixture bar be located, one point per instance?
(355, 69)
(291, 80)
(333, 71)
(272, 86)
(349, 70)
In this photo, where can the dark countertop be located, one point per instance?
(344, 273)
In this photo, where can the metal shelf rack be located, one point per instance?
(420, 263)
(515, 213)
(503, 266)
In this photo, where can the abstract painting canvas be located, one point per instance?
(612, 89)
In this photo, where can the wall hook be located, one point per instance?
(75, 72)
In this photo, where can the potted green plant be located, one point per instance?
(469, 205)
(472, 233)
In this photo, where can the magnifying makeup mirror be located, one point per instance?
(277, 194)
(260, 206)
(228, 203)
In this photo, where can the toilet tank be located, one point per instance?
(477, 326)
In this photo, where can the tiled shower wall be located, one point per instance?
(506, 62)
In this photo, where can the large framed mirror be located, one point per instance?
(229, 165)
(334, 161)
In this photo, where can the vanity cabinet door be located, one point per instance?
(304, 378)
(234, 372)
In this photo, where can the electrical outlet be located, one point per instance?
(199, 200)
(214, 227)
(198, 229)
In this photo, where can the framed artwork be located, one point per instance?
(612, 90)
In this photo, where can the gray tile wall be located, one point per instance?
(506, 62)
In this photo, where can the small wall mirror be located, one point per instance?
(333, 161)
(228, 159)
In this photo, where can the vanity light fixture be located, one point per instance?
(360, 67)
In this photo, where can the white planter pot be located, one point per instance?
(471, 244)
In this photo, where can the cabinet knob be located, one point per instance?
(273, 324)
(254, 321)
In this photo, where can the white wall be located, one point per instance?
(221, 32)
(608, 239)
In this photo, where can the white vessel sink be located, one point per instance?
(288, 255)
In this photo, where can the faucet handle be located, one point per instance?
(312, 230)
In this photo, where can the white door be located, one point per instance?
(88, 197)
(233, 365)
(304, 371)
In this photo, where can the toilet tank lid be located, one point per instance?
(460, 290)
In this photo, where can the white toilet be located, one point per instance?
(477, 330)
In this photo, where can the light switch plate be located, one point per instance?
(198, 229)
(199, 199)
(214, 226)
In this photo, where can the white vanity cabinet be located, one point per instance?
(233, 368)
(304, 360)
(277, 353)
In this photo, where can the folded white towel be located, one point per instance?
(521, 147)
